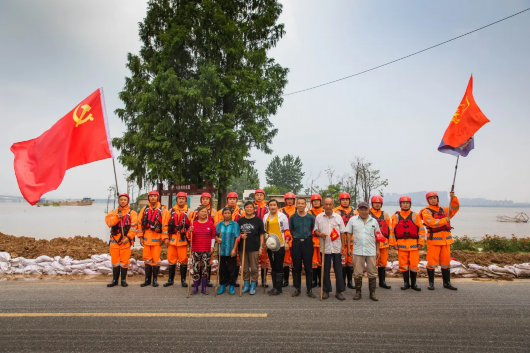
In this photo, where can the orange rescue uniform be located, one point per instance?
(288, 260)
(383, 246)
(439, 243)
(177, 250)
(153, 239)
(408, 251)
(317, 257)
(346, 214)
(120, 252)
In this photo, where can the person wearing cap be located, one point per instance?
(385, 225)
(227, 232)
(123, 224)
(277, 223)
(289, 209)
(152, 228)
(329, 227)
(362, 229)
(301, 225)
(203, 232)
(407, 235)
(346, 212)
(180, 219)
(260, 210)
(439, 239)
(316, 209)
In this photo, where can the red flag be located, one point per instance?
(334, 235)
(80, 137)
(467, 120)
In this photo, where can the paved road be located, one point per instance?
(480, 316)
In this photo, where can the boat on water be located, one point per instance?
(87, 201)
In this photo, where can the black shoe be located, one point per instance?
(446, 275)
(350, 285)
(183, 273)
(382, 276)
(124, 277)
(155, 275)
(339, 296)
(430, 273)
(296, 293)
(285, 283)
(115, 276)
(406, 280)
(171, 276)
(148, 274)
(310, 294)
(413, 285)
(325, 295)
(286, 272)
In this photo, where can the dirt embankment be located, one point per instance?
(80, 248)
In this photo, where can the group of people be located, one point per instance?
(312, 236)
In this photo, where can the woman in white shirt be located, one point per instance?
(277, 223)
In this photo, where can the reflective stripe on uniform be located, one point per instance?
(155, 240)
(437, 238)
(414, 246)
(114, 241)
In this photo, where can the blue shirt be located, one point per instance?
(229, 233)
(364, 242)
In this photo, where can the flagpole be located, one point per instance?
(454, 177)
(118, 193)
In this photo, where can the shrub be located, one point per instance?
(465, 243)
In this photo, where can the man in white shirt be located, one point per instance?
(363, 228)
(329, 224)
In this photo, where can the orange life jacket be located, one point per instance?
(439, 215)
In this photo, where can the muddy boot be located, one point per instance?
(115, 276)
(413, 285)
(148, 274)
(155, 275)
(183, 273)
(286, 271)
(264, 278)
(171, 276)
(406, 280)
(382, 276)
(371, 286)
(124, 277)
(204, 286)
(430, 273)
(208, 283)
(358, 286)
(446, 275)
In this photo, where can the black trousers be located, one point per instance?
(337, 267)
(302, 252)
(276, 260)
(227, 270)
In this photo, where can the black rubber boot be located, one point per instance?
(237, 271)
(148, 274)
(115, 276)
(286, 276)
(277, 281)
(264, 278)
(155, 275)
(382, 276)
(406, 280)
(319, 275)
(349, 274)
(413, 285)
(446, 275)
(344, 274)
(315, 277)
(171, 276)
(124, 277)
(208, 283)
(430, 273)
(183, 273)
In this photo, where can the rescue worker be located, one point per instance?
(384, 225)
(180, 219)
(126, 220)
(346, 212)
(316, 209)
(407, 235)
(438, 222)
(153, 223)
(260, 210)
(289, 209)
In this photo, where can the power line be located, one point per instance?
(408, 56)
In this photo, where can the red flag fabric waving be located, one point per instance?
(80, 137)
(334, 235)
(466, 121)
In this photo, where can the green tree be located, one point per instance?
(271, 190)
(201, 91)
(248, 180)
(286, 173)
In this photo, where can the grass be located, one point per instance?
(492, 243)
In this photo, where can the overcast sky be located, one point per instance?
(55, 53)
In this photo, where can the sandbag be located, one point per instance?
(455, 264)
(43, 258)
(4, 267)
(57, 266)
(90, 272)
(104, 270)
(100, 258)
(79, 267)
(66, 261)
(32, 270)
(5, 257)
(80, 262)
(27, 262)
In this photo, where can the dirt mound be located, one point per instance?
(489, 258)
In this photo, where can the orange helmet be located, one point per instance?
(232, 194)
(316, 197)
(182, 194)
(126, 195)
(405, 198)
(344, 195)
(376, 199)
(259, 191)
(154, 192)
(289, 195)
(431, 194)
(206, 194)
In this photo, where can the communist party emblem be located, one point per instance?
(81, 119)
(460, 110)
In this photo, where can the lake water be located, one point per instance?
(68, 221)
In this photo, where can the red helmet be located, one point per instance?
(182, 194)
(126, 195)
(259, 191)
(376, 199)
(316, 197)
(289, 195)
(431, 194)
(344, 195)
(232, 194)
(154, 192)
(405, 198)
(206, 194)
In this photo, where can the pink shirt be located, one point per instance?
(203, 233)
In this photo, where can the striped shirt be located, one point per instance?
(203, 233)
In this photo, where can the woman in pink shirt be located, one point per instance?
(203, 231)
